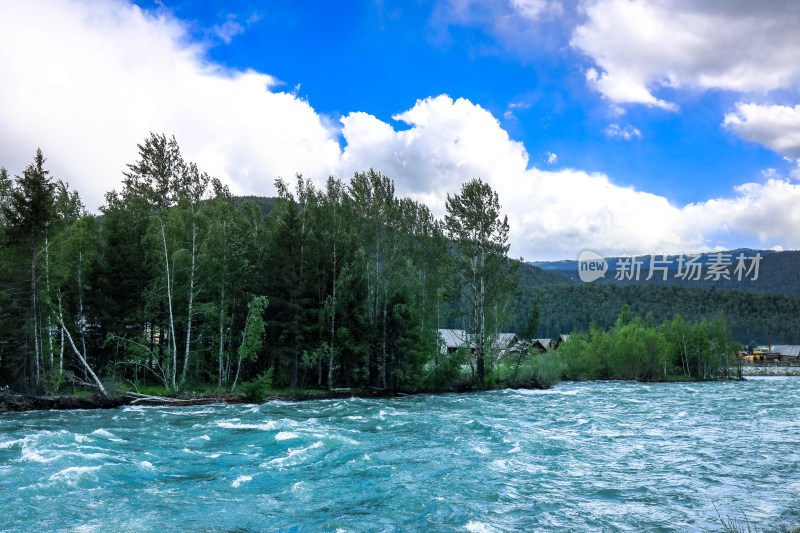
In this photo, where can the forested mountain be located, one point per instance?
(566, 307)
(778, 272)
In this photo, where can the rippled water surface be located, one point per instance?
(582, 457)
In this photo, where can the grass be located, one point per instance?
(735, 525)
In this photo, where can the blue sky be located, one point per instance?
(625, 126)
(380, 57)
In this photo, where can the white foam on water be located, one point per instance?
(201, 437)
(187, 450)
(293, 453)
(268, 426)
(681, 414)
(72, 474)
(539, 392)
(473, 526)
(83, 438)
(147, 465)
(239, 480)
(286, 435)
(103, 433)
(500, 464)
(37, 458)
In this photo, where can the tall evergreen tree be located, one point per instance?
(30, 212)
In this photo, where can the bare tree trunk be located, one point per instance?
(239, 365)
(383, 355)
(169, 302)
(333, 302)
(47, 286)
(191, 299)
(37, 341)
(61, 351)
(82, 359)
(221, 332)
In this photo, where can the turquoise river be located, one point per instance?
(606, 456)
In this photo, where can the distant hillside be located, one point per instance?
(266, 203)
(569, 306)
(779, 273)
(531, 276)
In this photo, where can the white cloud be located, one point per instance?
(536, 9)
(554, 214)
(626, 132)
(448, 143)
(640, 46)
(88, 80)
(552, 158)
(228, 30)
(774, 126)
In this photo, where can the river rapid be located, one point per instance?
(602, 456)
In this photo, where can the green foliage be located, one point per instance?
(254, 329)
(530, 369)
(643, 350)
(358, 279)
(256, 390)
(569, 306)
(474, 224)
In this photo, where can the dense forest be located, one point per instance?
(778, 272)
(177, 283)
(570, 306)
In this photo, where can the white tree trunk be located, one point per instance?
(169, 301)
(61, 351)
(82, 359)
(191, 299)
(47, 286)
(221, 333)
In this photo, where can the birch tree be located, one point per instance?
(473, 222)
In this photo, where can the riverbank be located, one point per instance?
(752, 370)
(22, 402)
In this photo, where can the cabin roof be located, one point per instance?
(455, 338)
(792, 350)
(504, 340)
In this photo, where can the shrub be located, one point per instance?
(255, 391)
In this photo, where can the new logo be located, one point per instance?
(591, 266)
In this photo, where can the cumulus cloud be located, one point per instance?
(640, 46)
(88, 80)
(448, 143)
(552, 158)
(774, 126)
(553, 214)
(626, 132)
